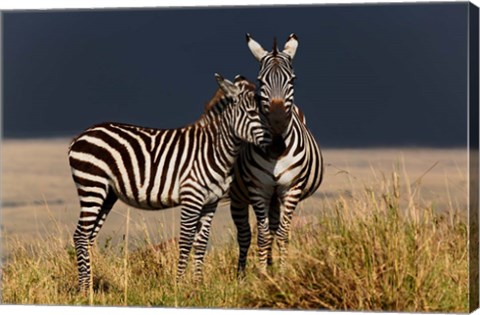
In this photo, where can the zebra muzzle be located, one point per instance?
(278, 117)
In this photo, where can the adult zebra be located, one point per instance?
(288, 171)
(155, 169)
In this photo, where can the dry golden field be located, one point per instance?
(38, 193)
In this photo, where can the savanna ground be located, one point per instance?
(386, 231)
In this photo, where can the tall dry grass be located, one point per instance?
(383, 248)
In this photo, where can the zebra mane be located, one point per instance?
(217, 102)
(214, 107)
(275, 48)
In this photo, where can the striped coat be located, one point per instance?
(291, 169)
(155, 169)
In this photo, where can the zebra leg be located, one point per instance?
(82, 248)
(287, 207)
(201, 239)
(264, 241)
(189, 219)
(239, 212)
(106, 207)
(274, 221)
(95, 204)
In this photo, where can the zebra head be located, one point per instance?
(276, 78)
(248, 123)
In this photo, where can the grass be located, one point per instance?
(383, 248)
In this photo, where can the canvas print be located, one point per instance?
(320, 157)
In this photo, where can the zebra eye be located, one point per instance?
(252, 112)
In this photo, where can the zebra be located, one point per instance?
(154, 169)
(274, 180)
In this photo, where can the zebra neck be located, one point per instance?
(213, 110)
(287, 132)
(224, 144)
(280, 142)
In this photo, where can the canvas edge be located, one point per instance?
(473, 146)
(1, 148)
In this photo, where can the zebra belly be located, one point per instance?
(150, 200)
(216, 194)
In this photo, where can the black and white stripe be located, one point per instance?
(291, 169)
(160, 168)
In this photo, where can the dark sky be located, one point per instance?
(367, 75)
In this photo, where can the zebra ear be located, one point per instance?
(239, 78)
(291, 45)
(255, 48)
(227, 86)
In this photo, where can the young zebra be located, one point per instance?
(155, 169)
(291, 168)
